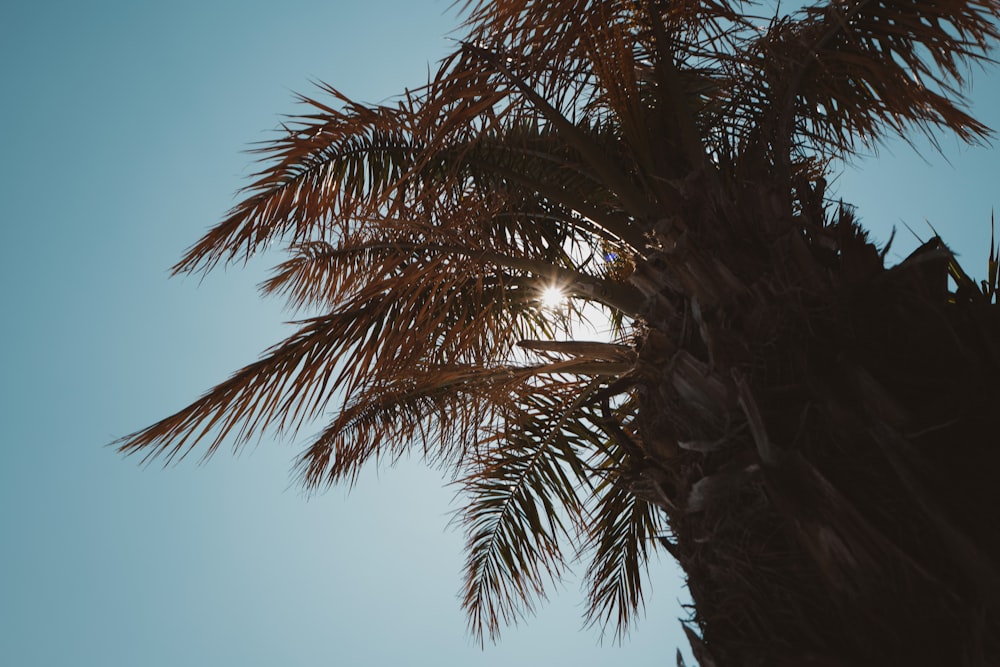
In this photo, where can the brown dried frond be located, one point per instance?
(861, 69)
(334, 164)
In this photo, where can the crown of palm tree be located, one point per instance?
(561, 144)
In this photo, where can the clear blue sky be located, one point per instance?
(122, 126)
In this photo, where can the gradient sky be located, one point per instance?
(123, 126)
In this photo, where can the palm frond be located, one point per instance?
(442, 410)
(628, 152)
(333, 164)
(859, 69)
(522, 490)
(623, 528)
(992, 286)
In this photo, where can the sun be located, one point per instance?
(553, 297)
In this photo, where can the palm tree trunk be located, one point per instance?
(822, 434)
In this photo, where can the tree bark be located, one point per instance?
(823, 436)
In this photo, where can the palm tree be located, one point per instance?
(809, 433)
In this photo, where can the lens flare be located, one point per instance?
(553, 297)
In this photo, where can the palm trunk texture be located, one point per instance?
(831, 428)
